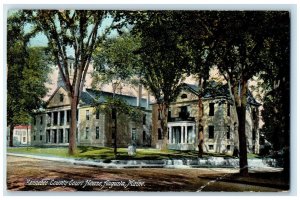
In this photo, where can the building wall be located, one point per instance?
(220, 120)
(91, 123)
(21, 136)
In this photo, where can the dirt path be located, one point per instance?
(26, 174)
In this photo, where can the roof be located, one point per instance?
(22, 127)
(215, 89)
(89, 96)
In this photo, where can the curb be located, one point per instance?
(172, 164)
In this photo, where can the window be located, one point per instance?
(228, 147)
(87, 115)
(211, 109)
(159, 134)
(228, 132)
(210, 132)
(68, 115)
(97, 132)
(87, 130)
(228, 109)
(34, 137)
(184, 114)
(61, 97)
(41, 119)
(41, 137)
(144, 119)
(24, 139)
(183, 96)
(211, 147)
(253, 134)
(62, 117)
(55, 118)
(97, 114)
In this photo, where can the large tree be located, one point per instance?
(241, 40)
(115, 62)
(197, 30)
(27, 72)
(276, 83)
(73, 33)
(164, 57)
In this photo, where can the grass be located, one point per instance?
(106, 153)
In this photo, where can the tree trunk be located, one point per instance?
(73, 126)
(200, 127)
(11, 135)
(241, 111)
(115, 138)
(202, 85)
(164, 125)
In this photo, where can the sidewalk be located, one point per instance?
(211, 162)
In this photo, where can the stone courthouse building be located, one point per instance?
(220, 122)
(51, 126)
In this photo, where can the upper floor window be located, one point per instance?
(41, 119)
(61, 97)
(211, 109)
(97, 114)
(87, 115)
(228, 109)
(211, 132)
(97, 132)
(228, 132)
(87, 130)
(144, 119)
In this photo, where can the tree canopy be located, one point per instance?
(27, 74)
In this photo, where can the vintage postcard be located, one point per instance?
(148, 100)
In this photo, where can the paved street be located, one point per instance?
(26, 174)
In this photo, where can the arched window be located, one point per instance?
(183, 96)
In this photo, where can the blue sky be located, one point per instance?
(41, 40)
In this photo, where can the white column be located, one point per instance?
(181, 138)
(173, 135)
(65, 119)
(51, 136)
(58, 118)
(186, 138)
(194, 134)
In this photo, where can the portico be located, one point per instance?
(181, 135)
(58, 126)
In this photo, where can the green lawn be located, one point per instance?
(106, 153)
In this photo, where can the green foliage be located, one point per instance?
(27, 73)
(162, 53)
(116, 57)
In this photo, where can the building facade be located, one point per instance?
(51, 126)
(21, 135)
(220, 122)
